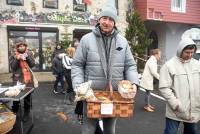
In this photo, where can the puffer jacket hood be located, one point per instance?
(182, 44)
(98, 33)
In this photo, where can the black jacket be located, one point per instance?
(15, 66)
(57, 66)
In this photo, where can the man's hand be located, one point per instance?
(182, 114)
(134, 90)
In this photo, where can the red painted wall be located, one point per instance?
(141, 7)
(161, 10)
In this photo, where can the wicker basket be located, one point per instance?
(6, 126)
(121, 107)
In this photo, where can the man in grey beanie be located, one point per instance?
(110, 11)
(103, 57)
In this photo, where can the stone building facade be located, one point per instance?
(44, 22)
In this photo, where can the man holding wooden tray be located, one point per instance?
(103, 57)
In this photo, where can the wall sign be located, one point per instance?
(13, 16)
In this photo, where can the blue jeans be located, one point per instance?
(147, 97)
(173, 125)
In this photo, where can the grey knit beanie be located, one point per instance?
(109, 10)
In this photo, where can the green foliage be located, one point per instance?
(65, 42)
(136, 34)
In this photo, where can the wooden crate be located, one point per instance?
(121, 107)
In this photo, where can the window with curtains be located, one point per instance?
(15, 2)
(50, 4)
(178, 6)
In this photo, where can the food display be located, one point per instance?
(126, 89)
(103, 99)
(12, 93)
(14, 90)
(84, 92)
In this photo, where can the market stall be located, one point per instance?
(8, 94)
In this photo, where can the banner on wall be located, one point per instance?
(81, 18)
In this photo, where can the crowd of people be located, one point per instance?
(104, 56)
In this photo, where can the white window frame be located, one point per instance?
(178, 6)
(46, 5)
(15, 2)
(79, 5)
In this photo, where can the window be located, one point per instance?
(178, 6)
(15, 2)
(41, 43)
(117, 7)
(48, 45)
(50, 4)
(79, 5)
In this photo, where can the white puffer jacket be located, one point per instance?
(180, 85)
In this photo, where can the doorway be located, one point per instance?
(154, 44)
(78, 33)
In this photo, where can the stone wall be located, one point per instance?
(3, 50)
(94, 9)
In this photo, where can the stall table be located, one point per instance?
(20, 97)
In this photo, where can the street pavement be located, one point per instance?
(48, 106)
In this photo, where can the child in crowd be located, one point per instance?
(57, 68)
(67, 62)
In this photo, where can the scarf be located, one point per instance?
(25, 70)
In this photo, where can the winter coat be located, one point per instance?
(180, 85)
(57, 66)
(92, 60)
(15, 66)
(67, 62)
(150, 71)
(57, 52)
